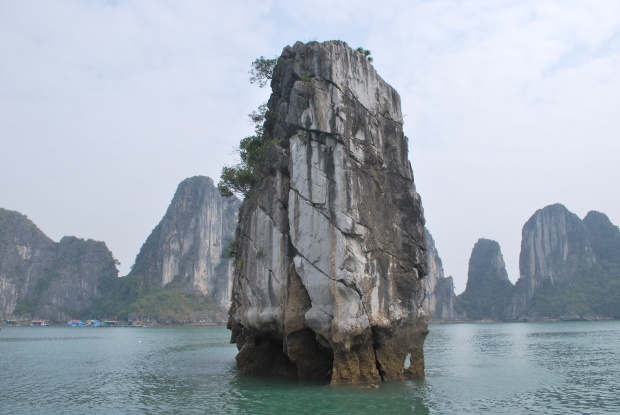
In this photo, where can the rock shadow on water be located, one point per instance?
(274, 394)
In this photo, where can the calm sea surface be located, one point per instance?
(518, 368)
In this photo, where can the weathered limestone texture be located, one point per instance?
(440, 303)
(435, 274)
(186, 249)
(331, 242)
(447, 307)
(555, 243)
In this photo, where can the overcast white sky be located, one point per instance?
(105, 106)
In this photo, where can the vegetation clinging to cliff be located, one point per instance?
(241, 178)
(262, 70)
(365, 53)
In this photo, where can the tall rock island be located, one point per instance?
(488, 289)
(331, 243)
(186, 250)
(569, 268)
(554, 244)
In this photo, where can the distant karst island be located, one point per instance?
(569, 270)
(181, 275)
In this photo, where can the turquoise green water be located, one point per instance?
(520, 368)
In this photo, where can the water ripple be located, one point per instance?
(524, 368)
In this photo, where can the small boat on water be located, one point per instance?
(39, 322)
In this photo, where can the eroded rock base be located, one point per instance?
(303, 357)
(261, 355)
(384, 354)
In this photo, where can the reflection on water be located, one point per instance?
(524, 368)
(588, 364)
(518, 368)
(269, 395)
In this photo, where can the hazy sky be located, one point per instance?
(105, 106)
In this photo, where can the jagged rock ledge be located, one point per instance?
(331, 243)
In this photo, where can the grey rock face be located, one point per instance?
(441, 303)
(435, 273)
(485, 264)
(447, 307)
(328, 282)
(604, 237)
(554, 244)
(488, 288)
(185, 249)
(43, 279)
(25, 252)
(80, 268)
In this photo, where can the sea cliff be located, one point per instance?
(331, 243)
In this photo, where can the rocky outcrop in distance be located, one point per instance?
(604, 237)
(331, 243)
(554, 243)
(440, 302)
(40, 278)
(568, 266)
(187, 249)
(435, 274)
(569, 270)
(447, 307)
(487, 292)
(488, 288)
